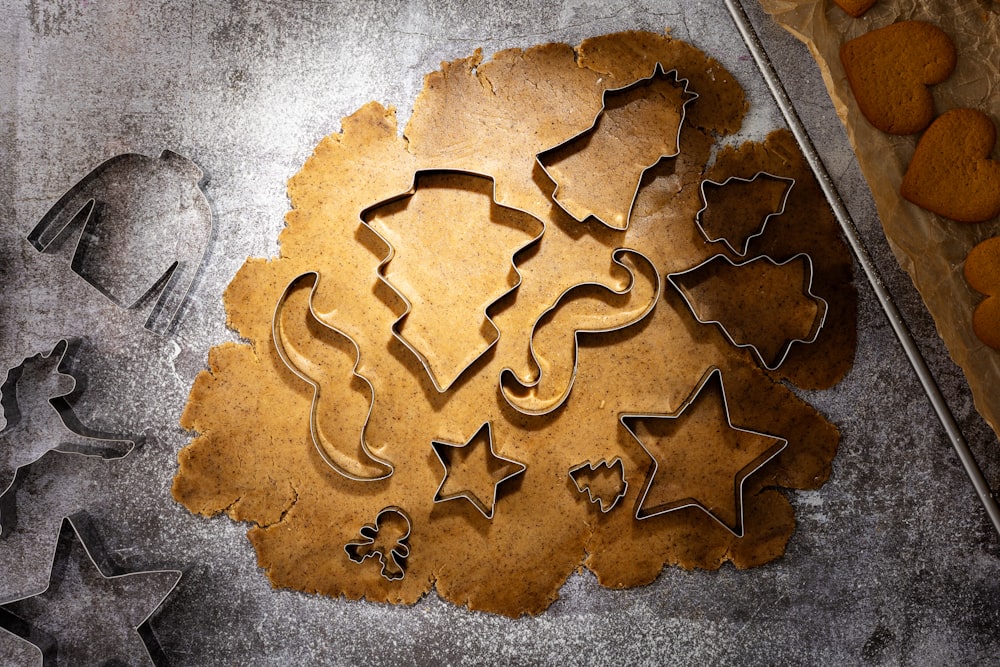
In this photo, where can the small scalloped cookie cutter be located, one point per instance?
(77, 529)
(394, 562)
(698, 219)
(818, 320)
(487, 510)
(589, 468)
(34, 398)
(581, 212)
(739, 478)
(362, 465)
(529, 402)
(128, 196)
(442, 385)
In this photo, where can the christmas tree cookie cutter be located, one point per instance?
(579, 473)
(732, 244)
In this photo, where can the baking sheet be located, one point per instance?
(892, 559)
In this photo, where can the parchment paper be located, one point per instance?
(931, 249)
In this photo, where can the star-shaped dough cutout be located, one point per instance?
(85, 617)
(699, 458)
(474, 471)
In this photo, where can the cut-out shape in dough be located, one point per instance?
(698, 457)
(304, 343)
(451, 256)
(584, 308)
(146, 227)
(474, 471)
(604, 483)
(40, 418)
(597, 173)
(760, 304)
(737, 210)
(386, 539)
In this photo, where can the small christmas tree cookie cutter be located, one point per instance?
(763, 225)
(394, 562)
(599, 500)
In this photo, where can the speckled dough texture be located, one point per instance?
(254, 458)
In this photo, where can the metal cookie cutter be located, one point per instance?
(532, 398)
(393, 558)
(85, 616)
(360, 465)
(583, 474)
(770, 362)
(40, 418)
(442, 384)
(444, 452)
(754, 233)
(764, 448)
(593, 136)
(146, 228)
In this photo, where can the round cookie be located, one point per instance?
(982, 272)
(889, 70)
(951, 173)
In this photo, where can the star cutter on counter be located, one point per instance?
(790, 183)
(818, 320)
(508, 377)
(25, 617)
(424, 361)
(442, 451)
(393, 559)
(40, 419)
(341, 462)
(588, 467)
(121, 199)
(688, 96)
(747, 469)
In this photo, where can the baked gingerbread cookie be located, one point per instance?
(982, 272)
(951, 172)
(855, 8)
(890, 69)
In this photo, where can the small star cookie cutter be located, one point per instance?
(366, 214)
(590, 468)
(122, 198)
(687, 95)
(819, 318)
(698, 219)
(360, 466)
(739, 479)
(77, 529)
(394, 562)
(441, 447)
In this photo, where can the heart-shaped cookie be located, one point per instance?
(855, 8)
(951, 172)
(889, 70)
(982, 272)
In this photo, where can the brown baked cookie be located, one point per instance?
(982, 272)
(855, 8)
(951, 172)
(889, 70)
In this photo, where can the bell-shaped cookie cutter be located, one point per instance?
(818, 321)
(394, 562)
(589, 466)
(383, 467)
(763, 225)
(658, 70)
(424, 361)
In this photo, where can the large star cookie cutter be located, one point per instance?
(40, 419)
(372, 543)
(141, 218)
(713, 235)
(596, 142)
(506, 469)
(805, 311)
(443, 380)
(361, 465)
(534, 398)
(87, 617)
(756, 450)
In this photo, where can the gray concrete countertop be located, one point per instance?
(893, 560)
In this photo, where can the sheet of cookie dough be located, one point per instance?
(253, 456)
